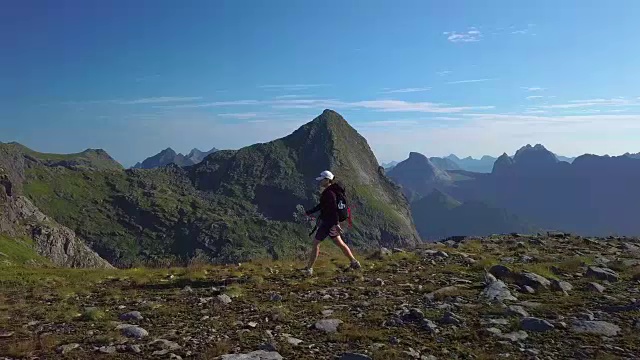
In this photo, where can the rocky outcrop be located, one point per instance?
(56, 242)
(20, 218)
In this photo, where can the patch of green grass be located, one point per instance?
(19, 251)
(93, 314)
(234, 291)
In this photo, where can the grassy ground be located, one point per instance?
(46, 307)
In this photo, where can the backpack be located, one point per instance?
(344, 211)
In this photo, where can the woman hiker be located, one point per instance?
(329, 220)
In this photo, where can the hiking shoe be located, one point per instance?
(355, 264)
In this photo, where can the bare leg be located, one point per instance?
(313, 256)
(345, 249)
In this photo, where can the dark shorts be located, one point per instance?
(325, 231)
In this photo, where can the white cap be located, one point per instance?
(325, 175)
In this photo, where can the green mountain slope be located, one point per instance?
(91, 158)
(233, 206)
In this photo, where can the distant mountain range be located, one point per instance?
(592, 195)
(482, 165)
(169, 156)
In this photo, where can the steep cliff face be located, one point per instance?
(19, 218)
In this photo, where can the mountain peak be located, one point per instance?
(502, 163)
(418, 175)
(534, 156)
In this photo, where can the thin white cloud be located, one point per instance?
(157, 100)
(534, 97)
(240, 116)
(533, 88)
(406, 90)
(444, 73)
(389, 123)
(291, 87)
(291, 96)
(469, 81)
(405, 106)
(376, 105)
(592, 102)
(471, 35)
(214, 104)
(521, 32)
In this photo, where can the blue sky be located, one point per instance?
(464, 77)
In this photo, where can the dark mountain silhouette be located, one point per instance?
(418, 176)
(169, 156)
(439, 215)
(163, 158)
(594, 195)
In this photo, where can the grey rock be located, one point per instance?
(64, 349)
(602, 273)
(495, 321)
(187, 289)
(132, 315)
(255, 355)
(595, 287)
(412, 353)
(165, 345)
(416, 314)
(533, 280)
(276, 297)
(134, 348)
(586, 316)
(637, 324)
(451, 318)
(327, 312)
(107, 349)
(501, 272)
(293, 341)
(6, 334)
(497, 291)
(328, 325)
(596, 327)
(527, 289)
(132, 331)
(429, 325)
(224, 299)
(515, 336)
(517, 311)
(175, 357)
(494, 331)
(535, 324)
(441, 254)
(379, 282)
(561, 286)
(622, 308)
(354, 356)
(56, 242)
